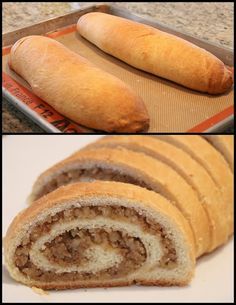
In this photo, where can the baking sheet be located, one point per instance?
(214, 276)
(172, 108)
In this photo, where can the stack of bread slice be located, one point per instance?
(125, 210)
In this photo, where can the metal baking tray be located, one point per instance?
(172, 108)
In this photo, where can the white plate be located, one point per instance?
(24, 158)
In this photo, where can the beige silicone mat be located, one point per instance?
(172, 108)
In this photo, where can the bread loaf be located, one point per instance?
(208, 192)
(100, 234)
(125, 210)
(76, 88)
(133, 168)
(156, 52)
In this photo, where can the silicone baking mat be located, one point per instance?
(172, 108)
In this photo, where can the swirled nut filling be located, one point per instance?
(87, 174)
(69, 248)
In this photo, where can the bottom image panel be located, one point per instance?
(89, 211)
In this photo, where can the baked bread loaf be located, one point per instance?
(100, 234)
(134, 168)
(214, 163)
(225, 145)
(194, 174)
(76, 88)
(156, 52)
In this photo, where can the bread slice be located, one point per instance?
(100, 234)
(214, 163)
(194, 174)
(135, 168)
(225, 145)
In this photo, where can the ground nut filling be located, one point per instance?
(88, 174)
(69, 248)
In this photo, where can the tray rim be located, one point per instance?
(34, 116)
(108, 8)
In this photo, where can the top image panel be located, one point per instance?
(117, 67)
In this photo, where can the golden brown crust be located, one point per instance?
(129, 193)
(157, 52)
(206, 155)
(76, 285)
(76, 88)
(225, 145)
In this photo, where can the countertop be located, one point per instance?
(209, 21)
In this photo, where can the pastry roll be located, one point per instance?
(190, 170)
(135, 168)
(100, 234)
(214, 163)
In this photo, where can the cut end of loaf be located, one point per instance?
(89, 235)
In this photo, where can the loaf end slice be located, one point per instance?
(100, 234)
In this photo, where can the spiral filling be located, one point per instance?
(77, 247)
(95, 173)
